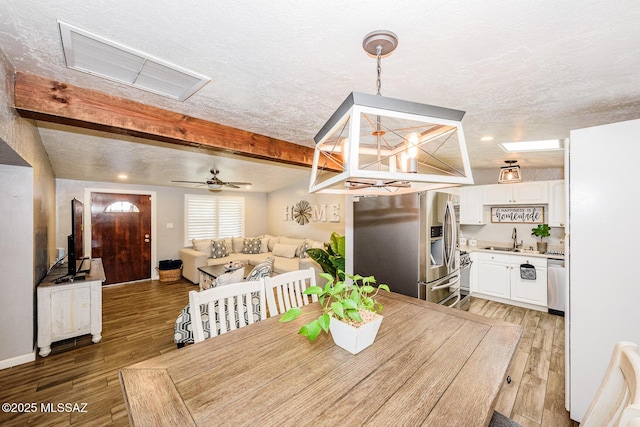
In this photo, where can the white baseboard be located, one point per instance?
(18, 360)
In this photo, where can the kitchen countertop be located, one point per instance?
(481, 245)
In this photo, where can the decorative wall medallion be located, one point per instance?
(302, 212)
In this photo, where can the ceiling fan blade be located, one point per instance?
(239, 183)
(229, 184)
(190, 182)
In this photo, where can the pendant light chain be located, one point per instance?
(379, 60)
(378, 85)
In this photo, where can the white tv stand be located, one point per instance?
(71, 308)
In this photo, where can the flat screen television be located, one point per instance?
(74, 241)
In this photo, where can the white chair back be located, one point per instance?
(617, 402)
(230, 304)
(285, 290)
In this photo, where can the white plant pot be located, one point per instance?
(353, 339)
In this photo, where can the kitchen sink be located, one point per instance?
(499, 248)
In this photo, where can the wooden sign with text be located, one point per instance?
(521, 214)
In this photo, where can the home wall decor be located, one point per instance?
(521, 214)
(303, 212)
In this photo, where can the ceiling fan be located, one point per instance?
(215, 183)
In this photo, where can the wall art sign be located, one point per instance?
(521, 214)
(303, 212)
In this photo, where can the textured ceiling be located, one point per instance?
(521, 71)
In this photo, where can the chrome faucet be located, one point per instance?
(514, 236)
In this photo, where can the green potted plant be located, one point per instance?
(331, 258)
(349, 310)
(542, 231)
(349, 307)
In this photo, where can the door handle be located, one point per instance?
(452, 281)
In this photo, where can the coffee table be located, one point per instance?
(209, 273)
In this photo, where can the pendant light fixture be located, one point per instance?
(510, 173)
(374, 145)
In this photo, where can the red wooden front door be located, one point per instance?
(121, 235)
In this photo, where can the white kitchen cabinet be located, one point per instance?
(471, 205)
(529, 291)
(556, 215)
(494, 275)
(520, 193)
(499, 277)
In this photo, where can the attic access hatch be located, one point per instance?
(104, 58)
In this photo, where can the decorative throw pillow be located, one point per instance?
(285, 251)
(261, 270)
(251, 246)
(289, 241)
(265, 243)
(238, 243)
(202, 245)
(302, 250)
(272, 242)
(219, 249)
(235, 276)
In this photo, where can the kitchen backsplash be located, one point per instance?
(501, 233)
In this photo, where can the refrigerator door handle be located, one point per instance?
(452, 281)
(450, 235)
(456, 303)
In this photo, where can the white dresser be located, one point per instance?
(70, 309)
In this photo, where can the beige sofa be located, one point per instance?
(288, 254)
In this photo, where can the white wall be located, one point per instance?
(170, 209)
(16, 264)
(27, 222)
(277, 201)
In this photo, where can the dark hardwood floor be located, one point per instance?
(138, 323)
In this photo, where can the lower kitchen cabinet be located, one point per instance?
(499, 276)
(494, 275)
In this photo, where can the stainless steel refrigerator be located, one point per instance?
(410, 242)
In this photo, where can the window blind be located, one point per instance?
(213, 217)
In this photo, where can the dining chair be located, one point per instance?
(229, 307)
(285, 290)
(617, 402)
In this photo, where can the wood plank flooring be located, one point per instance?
(535, 396)
(138, 323)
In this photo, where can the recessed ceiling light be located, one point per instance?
(518, 147)
(486, 138)
(123, 176)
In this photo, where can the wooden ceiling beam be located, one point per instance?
(52, 101)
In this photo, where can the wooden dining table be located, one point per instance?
(429, 365)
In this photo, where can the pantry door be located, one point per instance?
(121, 235)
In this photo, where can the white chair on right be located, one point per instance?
(617, 402)
(285, 290)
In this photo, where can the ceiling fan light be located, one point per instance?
(214, 186)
